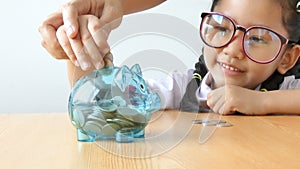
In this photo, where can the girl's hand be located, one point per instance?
(230, 99)
(90, 46)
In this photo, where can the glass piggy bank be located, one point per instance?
(112, 103)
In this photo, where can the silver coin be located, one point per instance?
(122, 122)
(110, 129)
(132, 115)
(199, 121)
(107, 105)
(98, 120)
(92, 128)
(212, 122)
(78, 118)
(224, 124)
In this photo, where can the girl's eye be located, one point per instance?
(221, 28)
(256, 39)
(222, 31)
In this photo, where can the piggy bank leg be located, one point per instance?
(124, 135)
(83, 137)
(140, 134)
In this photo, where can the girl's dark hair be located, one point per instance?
(291, 22)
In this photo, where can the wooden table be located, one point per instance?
(40, 141)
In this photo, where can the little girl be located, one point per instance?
(251, 48)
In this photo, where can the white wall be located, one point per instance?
(31, 80)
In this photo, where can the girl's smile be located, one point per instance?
(228, 67)
(230, 70)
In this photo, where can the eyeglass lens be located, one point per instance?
(260, 44)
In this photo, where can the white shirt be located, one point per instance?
(172, 89)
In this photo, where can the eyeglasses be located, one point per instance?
(260, 44)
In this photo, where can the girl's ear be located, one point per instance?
(289, 59)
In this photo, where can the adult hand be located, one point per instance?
(90, 46)
(230, 99)
(71, 46)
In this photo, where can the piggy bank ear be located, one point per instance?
(136, 69)
(123, 77)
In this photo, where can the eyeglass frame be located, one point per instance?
(283, 39)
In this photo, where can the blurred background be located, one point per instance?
(31, 80)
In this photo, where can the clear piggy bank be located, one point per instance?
(112, 103)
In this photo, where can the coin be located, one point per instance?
(132, 115)
(110, 129)
(209, 122)
(199, 121)
(107, 105)
(78, 118)
(122, 122)
(224, 124)
(92, 128)
(95, 119)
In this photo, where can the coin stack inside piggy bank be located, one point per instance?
(112, 103)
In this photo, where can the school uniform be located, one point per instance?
(182, 92)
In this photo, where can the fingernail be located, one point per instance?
(98, 65)
(70, 31)
(76, 63)
(85, 66)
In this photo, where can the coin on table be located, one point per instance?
(213, 122)
(200, 121)
(224, 124)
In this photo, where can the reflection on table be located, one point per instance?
(38, 141)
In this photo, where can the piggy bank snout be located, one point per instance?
(154, 103)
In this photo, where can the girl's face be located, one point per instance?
(229, 64)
